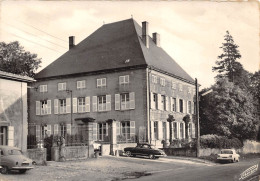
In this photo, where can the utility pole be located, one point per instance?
(197, 117)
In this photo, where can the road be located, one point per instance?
(111, 168)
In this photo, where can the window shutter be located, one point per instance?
(56, 106)
(37, 132)
(117, 128)
(48, 129)
(94, 131)
(127, 78)
(56, 129)
(38, 108)
(107, 129)
(83, 84)
(68, 102)
(104, 82)
(152, 130)
(160, 130)
(167, 131)
(10, 136)
(108, 102)
(94, 102)
(171, 103)
(68, 129)
(132, 100)
(75, 105)
(121, 79)
(48, 106)
(87, 102)
(132, 129)
(167, 103)
(184, 106)
(159, 97)
(117, 101)
(193, 130)
(59, 86)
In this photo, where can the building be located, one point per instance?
(117, 73)
(13, 110)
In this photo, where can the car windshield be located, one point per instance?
(14, 152)
(227, 152)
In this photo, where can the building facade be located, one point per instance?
(13, 110)
(118, 73)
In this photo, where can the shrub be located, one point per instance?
(215, 141)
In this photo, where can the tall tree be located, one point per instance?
(14, 59)
(227, 66)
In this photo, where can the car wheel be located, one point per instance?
(4, 170)
(22, 171)
(128, 153)
(134, 155)
(151, 156)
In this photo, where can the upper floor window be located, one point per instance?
(173, 85)
(101, 82)
(124, 79)
(173, 104)
(163, 102)
(189, 107)
(154, 104)
(81, 84)
(81, 105)
(62, 86)
(180, 87)
(43, 107)
(62, 106)
(125, 103)
(43, 88)
(162, 81)
(154, 79)
(181, 105)
(102, 103)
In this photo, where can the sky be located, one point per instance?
(191, 32)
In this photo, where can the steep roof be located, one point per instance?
(108, 48)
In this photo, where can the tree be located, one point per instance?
(228, 111)
(14, 59)
(227, 66)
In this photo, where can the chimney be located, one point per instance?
(156, 39)
(71, 42)
(145, 33)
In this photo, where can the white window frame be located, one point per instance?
(62, 106)
(81, 84)
(101, 103)
(162, 81)
(81, 105)
(43, 88)
(163, 102)
(62, 86)
(44, 107)
(101, 82)
(125, 101)
(124, 79)
(173, 85)
(154, 79)
(102, 131)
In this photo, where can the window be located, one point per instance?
(102, 131)
(125, 129)
(44, 107)
(81, 84)
(163, 103)
(3, 135)
(101, 103)
(181, 105)
(175, 130)
(62, 106)
(174, 104)
(190, 130)
(155, 101)
(125, 103)
(43, 88)
(189, 107)
(164, 130)
(173, 85)
(162, 81)
(81, 105)
(180, 87)
(62, 86)
(124, 79)
(155, 128)
(63, 130)
(101, 82)
(154, 79)
(182, 130)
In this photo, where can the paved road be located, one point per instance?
(122, 168)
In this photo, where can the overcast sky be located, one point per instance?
(191, 32)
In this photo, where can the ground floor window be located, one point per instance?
(155, 130)
(102, 131)
(125, 129)
(174, 130)
(164, 130)
(3, 135)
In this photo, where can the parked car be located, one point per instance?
(144, 149)
(13, 159)
(228, 155)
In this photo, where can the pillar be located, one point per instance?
(113, 140)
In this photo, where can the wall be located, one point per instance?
(251, 147)
(38, 155)
(105, 148)
(180, 152)
(13, 109)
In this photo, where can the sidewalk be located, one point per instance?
(190, 159)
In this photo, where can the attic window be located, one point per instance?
(127, 60)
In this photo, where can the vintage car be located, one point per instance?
(144, 149)
(228, 155)
(13, 159)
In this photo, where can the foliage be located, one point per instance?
(186, 119)
(14, 59)
(227, 65)
(215, 141)
(228, 111)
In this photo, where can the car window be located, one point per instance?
(14, 152)
(227, 152)
(145, 146)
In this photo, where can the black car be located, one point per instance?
(144, 149)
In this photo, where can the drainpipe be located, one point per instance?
(148, 106)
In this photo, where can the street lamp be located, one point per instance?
(70, 91)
